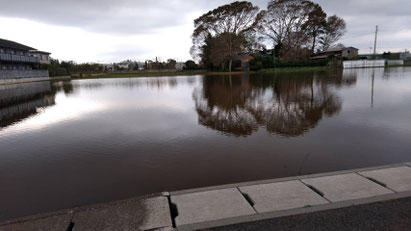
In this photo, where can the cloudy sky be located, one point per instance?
(115, 30)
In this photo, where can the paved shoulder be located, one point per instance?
(59, 222)
(388, 215)
(133, 214)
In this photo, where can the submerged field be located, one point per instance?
(65, 144)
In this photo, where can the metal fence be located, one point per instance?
(364, 63)
(19, 58)
(395, 62)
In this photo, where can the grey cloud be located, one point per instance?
(137, 17)
(376, 8)
(107, 16)
(110, 16)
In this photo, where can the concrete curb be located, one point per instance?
(375, 191)
(291, 212)
(174, 193)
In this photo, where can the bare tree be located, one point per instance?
(334, 29)
(237, 19)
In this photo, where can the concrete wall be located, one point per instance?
(22, 76)
(13, 74)
(364, 63)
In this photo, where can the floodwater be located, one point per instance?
(65, 144)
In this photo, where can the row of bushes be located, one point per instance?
(56, 70)
(268, 62)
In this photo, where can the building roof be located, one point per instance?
(323, 54)
(337, 49)
(14, 45)
(245, 55)
(40, 52)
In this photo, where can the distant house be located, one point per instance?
(180, 66)
(406, 56)
(245, 58)
(17, 62)
(127, 65)
(124, 65)
(397, 56)
(107, 66)
(343, 52)
(42, 55)
(370, 56)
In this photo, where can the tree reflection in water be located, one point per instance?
(286, 104)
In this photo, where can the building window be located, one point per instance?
(348, 51)
(1, 51)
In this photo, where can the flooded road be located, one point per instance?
(65, 144)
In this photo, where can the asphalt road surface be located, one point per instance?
(387, 215)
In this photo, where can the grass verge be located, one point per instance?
(190, 73)
(295, 69)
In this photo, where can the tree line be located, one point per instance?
(295, 28)
(64, 68)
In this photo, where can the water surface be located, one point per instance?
(65, 144)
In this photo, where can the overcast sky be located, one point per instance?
(115, 30)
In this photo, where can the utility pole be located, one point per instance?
(375, 41)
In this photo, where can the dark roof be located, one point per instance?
(14, 45)
(40, 52)
(337, 49)
(332, 50)
(254, 54)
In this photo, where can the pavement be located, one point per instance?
(151, 213)
(359, 199)
(392, 215)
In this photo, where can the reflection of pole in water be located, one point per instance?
(372, 89)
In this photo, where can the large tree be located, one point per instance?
(287, 105)
(334, 29)
(297, 27)
(314, 26)
(224, 47)
(225, 24)
(283, 21)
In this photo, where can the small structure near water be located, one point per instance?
(341, 52)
